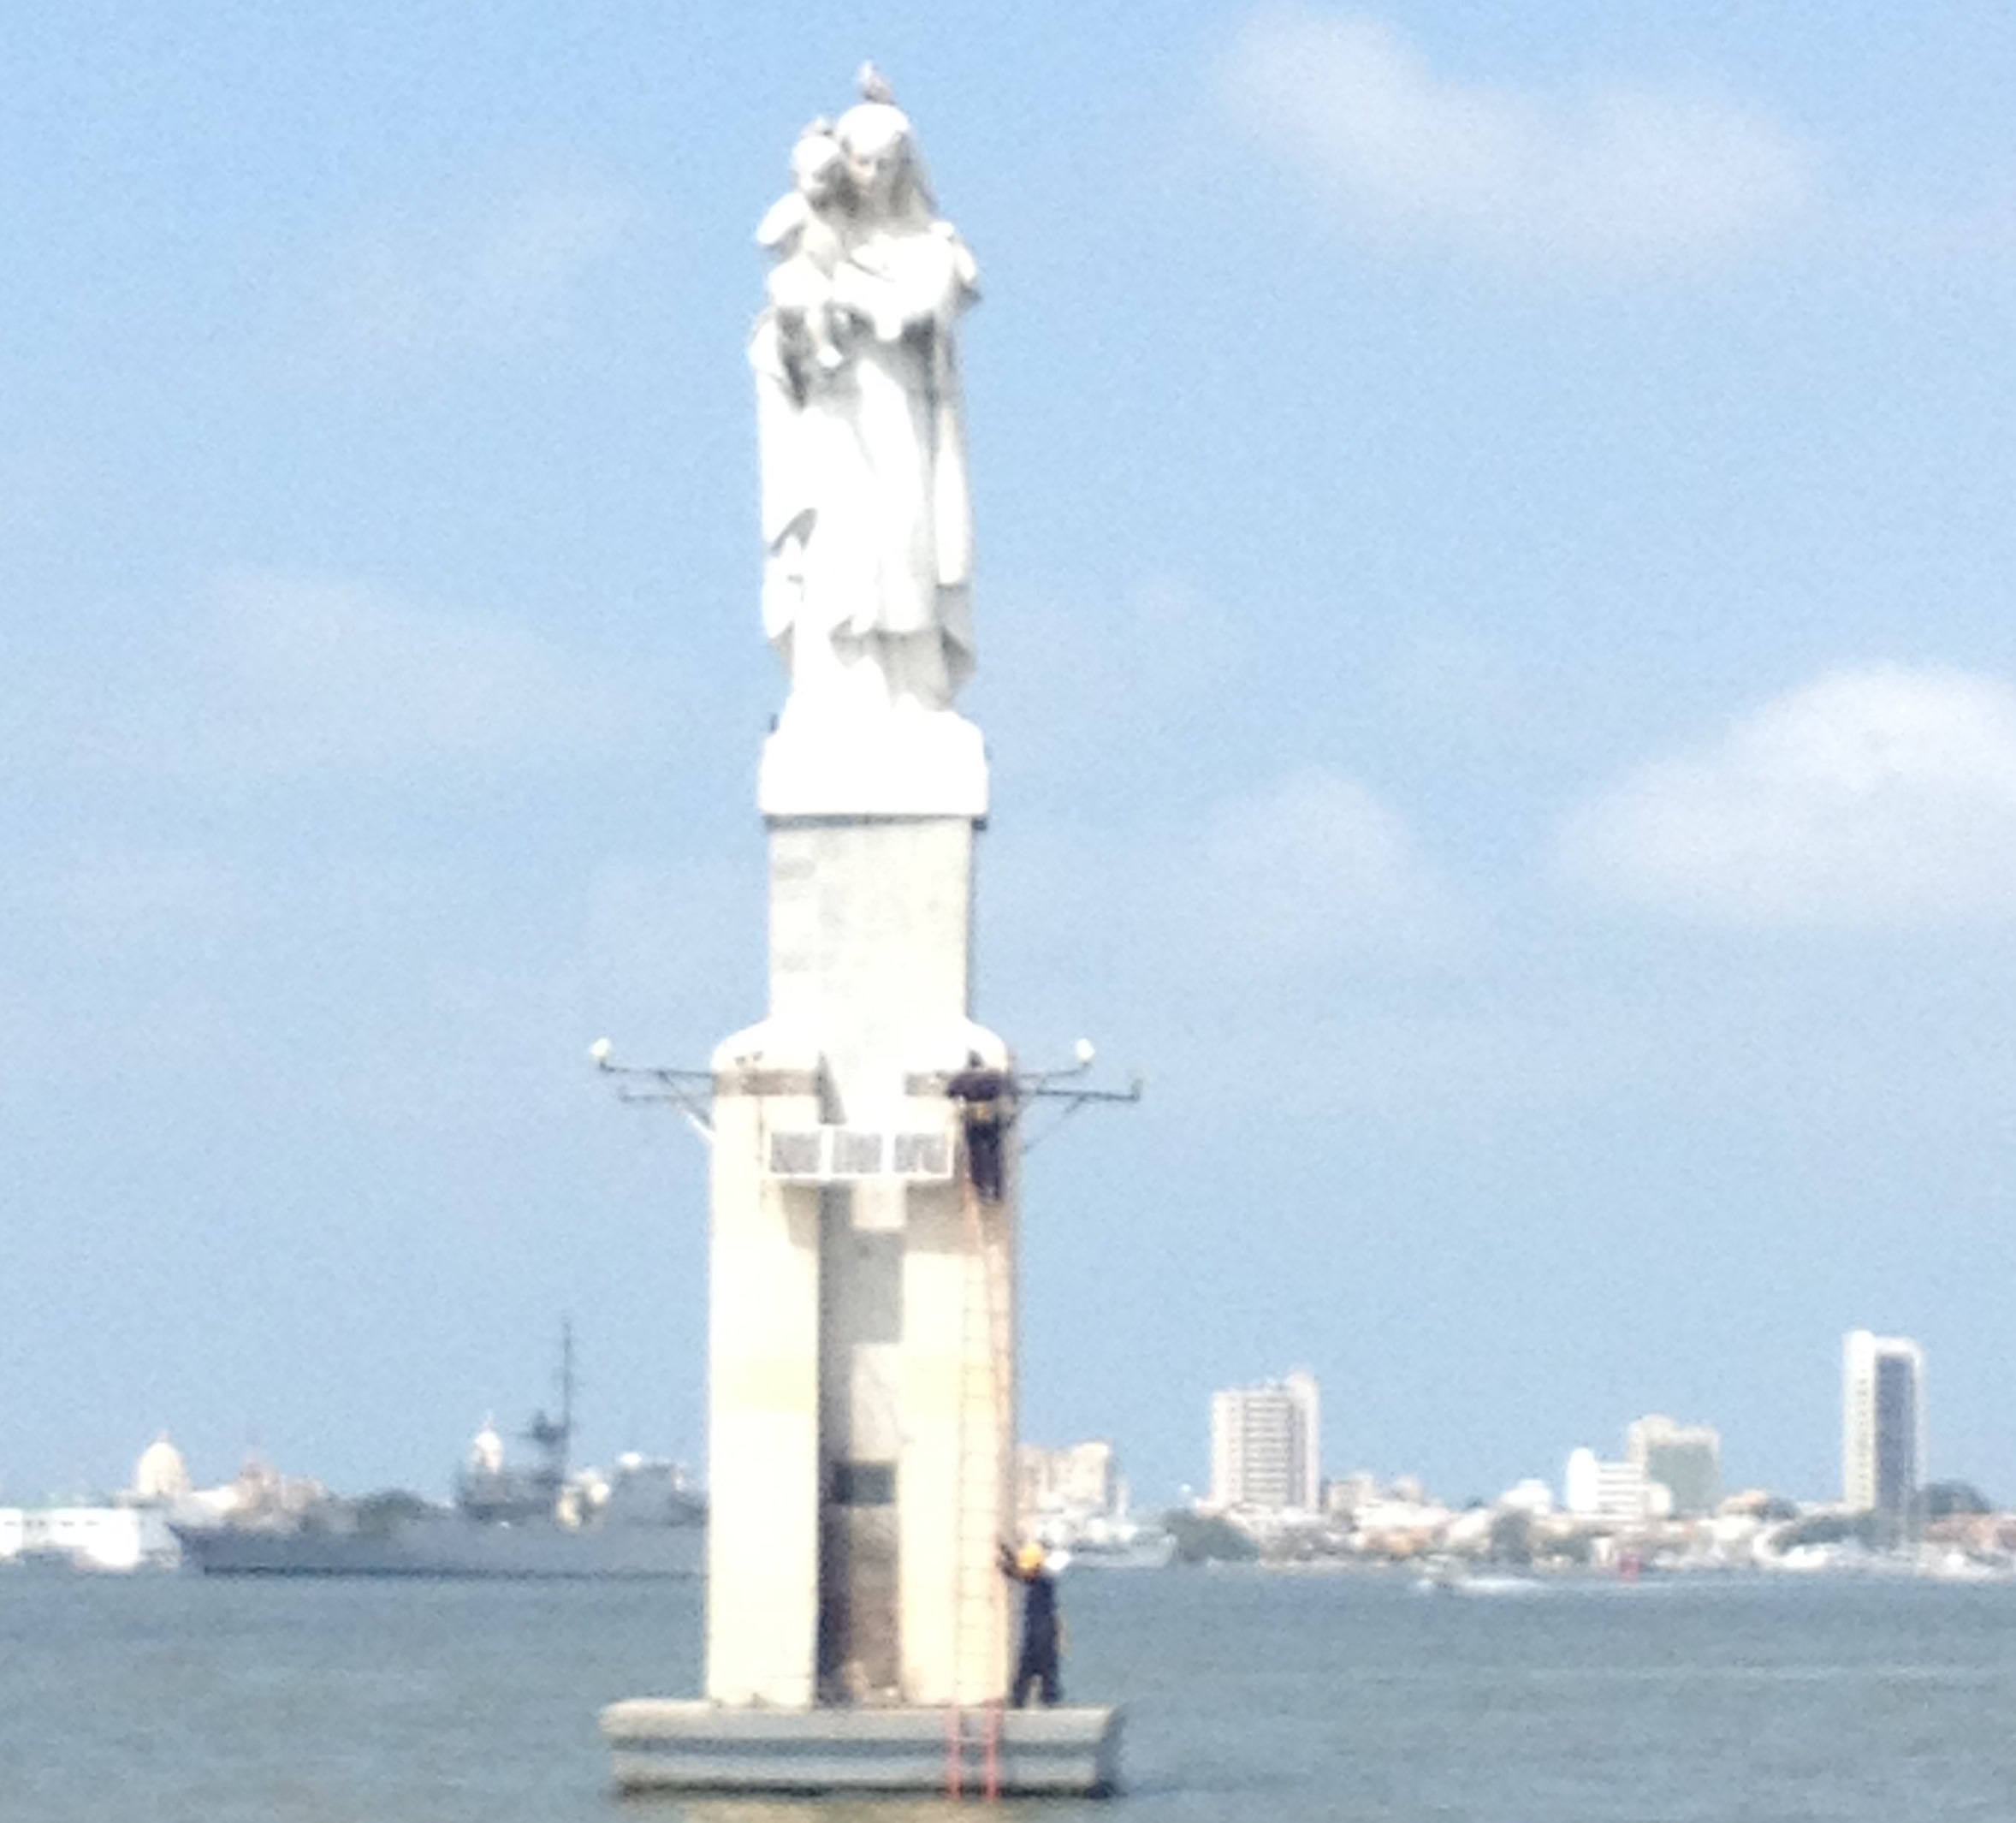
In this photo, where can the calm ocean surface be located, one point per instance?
(172, 1700)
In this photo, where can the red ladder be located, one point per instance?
(990, 1752)
(984, 1475)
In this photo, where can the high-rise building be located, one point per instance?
(1685, 1458)
(1883, 1433)
(1266, 1449)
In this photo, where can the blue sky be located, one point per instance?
(1496, 642)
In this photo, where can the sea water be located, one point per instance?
(172, 1699)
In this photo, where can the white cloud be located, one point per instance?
(1309, 874)
(484, 277)
(1635, 176)
(283, 675)
(1312, 870)
(1871, 798)
(322, 672)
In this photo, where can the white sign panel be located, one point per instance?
(849, 1155)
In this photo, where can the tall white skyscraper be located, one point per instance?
(1883, 1444)
(1266, 1445)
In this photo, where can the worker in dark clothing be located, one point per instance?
(1042, 1629)
(987, 1096)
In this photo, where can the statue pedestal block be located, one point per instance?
(666, 1746)
(904, 762)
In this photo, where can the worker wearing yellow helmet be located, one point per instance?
(1036, 1667)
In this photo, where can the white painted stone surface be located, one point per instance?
(958, 1436)
(763, 1391)
(870, 974)
(871, 948)
(905, 763)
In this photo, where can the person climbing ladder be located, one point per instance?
(986, 1099)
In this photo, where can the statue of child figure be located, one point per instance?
(800, 230)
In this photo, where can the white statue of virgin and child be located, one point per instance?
(867, 524)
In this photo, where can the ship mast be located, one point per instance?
(553, 1438)
(566, 1391)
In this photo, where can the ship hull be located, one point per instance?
(451, 1547)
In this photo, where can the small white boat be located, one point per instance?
(1452, 1577)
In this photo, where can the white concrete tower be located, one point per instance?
(861, 1352)
(861, 1356)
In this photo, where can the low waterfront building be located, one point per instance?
(129, 1531)
(1081, 1481)
(1531, 1496)
(1075, 1501)
(1686, 1459)
(87, 1537)
(1344, 1494)
(1616, 1491)
(1403, 1523)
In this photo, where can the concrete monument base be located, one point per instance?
(903, 762)
(664, 1745)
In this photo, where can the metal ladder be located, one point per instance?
(957, 1740)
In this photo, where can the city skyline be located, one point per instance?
(1868, 1453)
(1285, 1415)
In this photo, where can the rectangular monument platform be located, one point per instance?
(665, 1745)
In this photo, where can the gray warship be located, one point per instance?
(638, 1519)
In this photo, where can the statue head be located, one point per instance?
(883, 168)
(817, 163)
